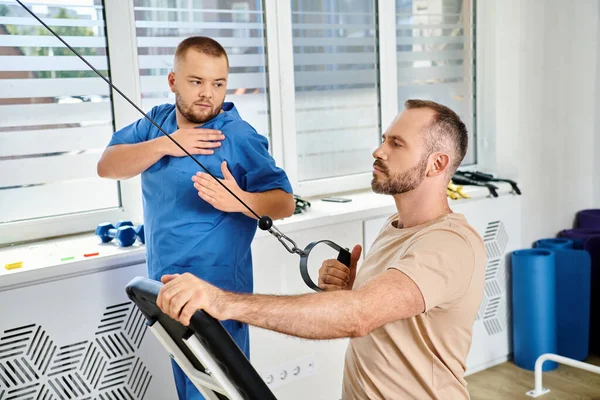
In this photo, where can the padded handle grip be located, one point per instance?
(344, 257)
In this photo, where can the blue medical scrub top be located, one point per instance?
(183, 232)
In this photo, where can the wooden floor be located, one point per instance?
(507, 381)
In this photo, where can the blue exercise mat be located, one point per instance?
(533, 307)
(573, 274)
(592, 246)
(579, 235)
(588, 239)
(588, 219)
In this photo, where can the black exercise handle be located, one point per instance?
(343, 257)
(492, 189)
(464, 180)
(489, 178)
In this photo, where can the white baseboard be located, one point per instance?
(489, 364)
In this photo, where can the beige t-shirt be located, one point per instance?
(422, 357)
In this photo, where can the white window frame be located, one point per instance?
(480, 76)
(281, 84)
(278, 20)
(122, 48)
(277, 62)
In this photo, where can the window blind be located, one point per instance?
(238, 26)
(337, 83)
(55, 114)
(435, 54)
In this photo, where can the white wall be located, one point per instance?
(538, 80)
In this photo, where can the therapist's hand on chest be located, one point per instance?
(194, 140)
(216, 195)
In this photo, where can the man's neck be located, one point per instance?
(183, 122)
(420, 206)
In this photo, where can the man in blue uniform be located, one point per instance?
(192, 224)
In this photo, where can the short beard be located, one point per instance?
(400, 183)
(187, 111)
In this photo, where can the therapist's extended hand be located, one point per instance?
(216, 195)
(183, 295)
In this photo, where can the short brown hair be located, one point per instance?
(445, 127)
(201, 44)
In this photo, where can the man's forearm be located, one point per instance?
(124, 161)
(276, 204)
(330, 315)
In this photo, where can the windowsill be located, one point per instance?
(42, 260)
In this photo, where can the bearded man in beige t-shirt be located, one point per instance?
(410, 309)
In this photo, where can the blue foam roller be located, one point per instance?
(533, 307)
(573, 290)
(573, 273)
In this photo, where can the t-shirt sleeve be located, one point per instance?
(135, 132)
(256, 169)
(441, 263)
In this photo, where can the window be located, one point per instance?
(319, 79)
(237, 25)
(435, 57)
(337, 86)
(56, 115)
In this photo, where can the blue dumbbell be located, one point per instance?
(124, 234)
(139, 230)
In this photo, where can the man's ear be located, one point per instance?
(440, 162)
(171, 79)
